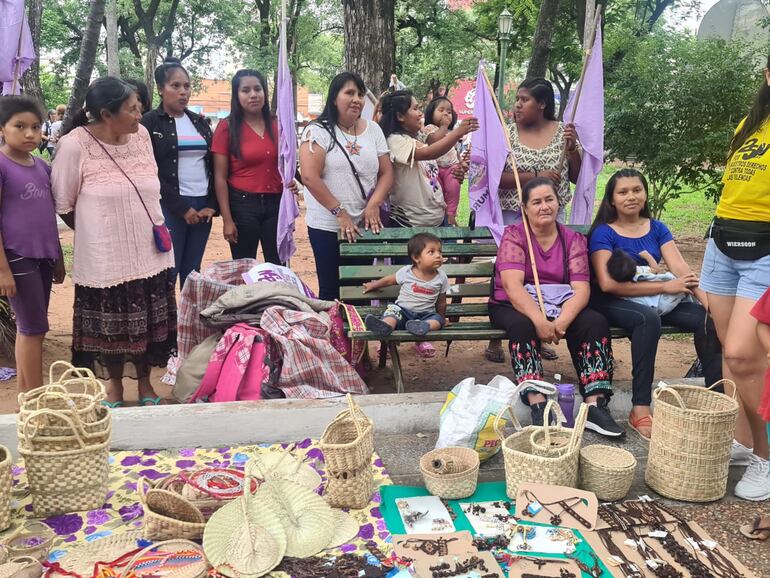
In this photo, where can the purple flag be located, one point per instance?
(287, 153)
(17, 52)
(589, 123)
(489, 151)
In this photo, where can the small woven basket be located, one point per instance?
(33, 539)
(350, 488)
(690, 445)
(607, 471)
(451, 473)
(523, 465)
(168, 515)
(65, 481)
(206, 502)
(6, 484)
(554, 440)
(348, 441)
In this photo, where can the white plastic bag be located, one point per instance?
(471, 408)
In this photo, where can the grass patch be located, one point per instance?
(67, 251)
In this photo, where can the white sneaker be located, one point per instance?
(755, 483)
(739, 454)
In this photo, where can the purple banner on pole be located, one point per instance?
(589, 123)
(287, 153)
(489, 151)
(17, 52)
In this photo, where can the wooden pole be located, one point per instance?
(527, 234)
(579, 90)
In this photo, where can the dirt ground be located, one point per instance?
(675, 355)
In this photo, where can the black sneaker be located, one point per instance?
(377, 326)
(537, 411)
(600, 420)
(417, 327)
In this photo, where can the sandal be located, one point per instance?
(755, 531)
(425, 349)
(495, 354)
(145, 401)
(548, 353)
(112, 404)
(644, 421)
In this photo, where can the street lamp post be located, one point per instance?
(504, 24)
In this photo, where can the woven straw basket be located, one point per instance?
(350, 488)
(607, 471)
(690, 445)
(451, 473)
(33, 539)
(348, 441)
(65, 481)
(6, 483)
(50, 432)
(554, 440)
(72, 380)
(168, 515)
(86, 406)
(522, 465)
(21, 567)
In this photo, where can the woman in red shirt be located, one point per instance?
(246, 178)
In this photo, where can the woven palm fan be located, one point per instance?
(244, 539)
(345, 529)
(283, 465)
(80, 560)
(307, 518)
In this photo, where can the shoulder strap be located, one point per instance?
(122, 171)
(565, 257)
(347, 156)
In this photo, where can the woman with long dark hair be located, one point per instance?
(105, 182)
(345, 165)
(181, 141)
(246, 178)
(736, 273)
(624, 222)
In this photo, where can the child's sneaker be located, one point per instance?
(417, 327)
(377, 326)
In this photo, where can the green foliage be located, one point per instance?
(672, 105)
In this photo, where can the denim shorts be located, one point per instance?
(722, 275)
(403, 315)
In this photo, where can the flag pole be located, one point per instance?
(16, 66)
(579, 89)
(527, 234)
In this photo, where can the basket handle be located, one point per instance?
(661, 390)
(50, 394)
(579, 428)
(151, 547)
(76, 427)
(496, 424)
(725, 380)
(354, 409)
(551, 406)
(67, 367)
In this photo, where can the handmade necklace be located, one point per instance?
(439, 546)
(353, 148)
(568, 506)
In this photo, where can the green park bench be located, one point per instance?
(471, 267)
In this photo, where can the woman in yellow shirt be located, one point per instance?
(736, 272)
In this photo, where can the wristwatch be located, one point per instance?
(336, 210)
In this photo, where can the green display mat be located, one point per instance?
(485, 492)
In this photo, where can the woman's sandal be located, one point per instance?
(425, 349)
(145, 401)
(112, 404)
(756, 531)
(495, 354)
(548, 353)
(642, 422)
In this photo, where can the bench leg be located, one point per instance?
(383, 353)
(396, 361)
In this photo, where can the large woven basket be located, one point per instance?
(65, 481)
(84, 405)
(607, 471)
(168, 515)
(350, 488)
(348, 441)
(690, 445)
(6, 484)
(451, 473)
(522, 465)
(78, 380)
(53, 431)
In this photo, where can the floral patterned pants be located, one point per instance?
(588, 341)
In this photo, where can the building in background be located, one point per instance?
(737, 20)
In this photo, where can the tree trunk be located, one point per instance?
(370, 41)
(541, 44)
(30, 80)
(86, 59)
(150, 62)
(113, 63)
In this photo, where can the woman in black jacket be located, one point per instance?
(181, 141)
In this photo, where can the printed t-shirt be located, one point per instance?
(416, 199)
(192, 147)
(605, 237)
(746, 192)
(27, 213)
(257, 169)
(418, 295)
(449, 158)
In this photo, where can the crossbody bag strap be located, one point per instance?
(122, 171)
(347, 156)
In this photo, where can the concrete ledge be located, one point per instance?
(273, 421)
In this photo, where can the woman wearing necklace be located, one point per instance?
(346, 168)
(246, 178)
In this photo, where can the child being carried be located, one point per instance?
(622, 268)
(421, 303)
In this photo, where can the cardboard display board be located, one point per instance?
(420, 546)
(551, 568)
(580, 506)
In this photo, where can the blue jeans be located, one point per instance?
(189, 240)
(402, 315)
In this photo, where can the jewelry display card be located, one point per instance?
(432, 546)
(555, 567)
(424, 515)
(543, 539)
(470, 565)
(557, 506)
(487, 518)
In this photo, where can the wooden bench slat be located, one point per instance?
(399, 250)
(355, 294)
(369, 272)
(401, 234)
(452, 309)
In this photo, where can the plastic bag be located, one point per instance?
(469, 412)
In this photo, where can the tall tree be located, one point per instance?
(30, 80)
(111, 26)
(86, 59)
(370, 42)
(541, 43)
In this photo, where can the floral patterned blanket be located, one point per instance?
(122, 511)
